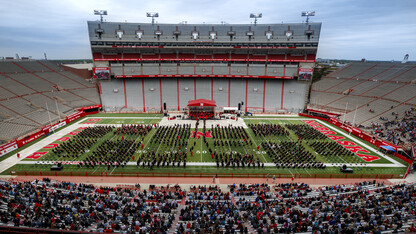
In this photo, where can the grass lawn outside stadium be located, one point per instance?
(201, 162)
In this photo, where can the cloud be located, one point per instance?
(351, 29)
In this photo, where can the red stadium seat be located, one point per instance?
(112, 56)
(150, 56)
(186, 56)
(291, 57)
(276, 56)
(97, 56)
(238, 56)
(131, 56)
(310, 57)
(252, 56)
(168, 56)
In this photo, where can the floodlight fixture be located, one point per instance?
(153, 15)
(307, 14)
(100, 13)
(256, 16)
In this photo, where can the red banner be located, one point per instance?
(8, 147)
(356, 130)
(30, 138)
(332, 115)
(305, 73)
(334, 120)
(51, 128)
(90, 107)
(101, 72)
(74, 116)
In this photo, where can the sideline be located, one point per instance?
(364, 144)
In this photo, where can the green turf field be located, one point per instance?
(202, 152)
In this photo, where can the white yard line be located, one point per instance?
(201, 148)
(363, 144)
(214, 164)
(265, 160)
(325, 156)
(276, 119)
(125, 118)
(144, 147)
(12, 160)
(112, 170)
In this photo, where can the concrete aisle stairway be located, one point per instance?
(178, 212)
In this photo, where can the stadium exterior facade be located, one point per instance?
(267, 66)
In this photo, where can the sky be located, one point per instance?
(351, 29)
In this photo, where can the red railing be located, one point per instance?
(201, 175)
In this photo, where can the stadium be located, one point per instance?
(219, 128)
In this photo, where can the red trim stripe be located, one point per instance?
(144, 99)
(204, 76)
(212, 88)
(99, 86)
(177, 83)
(194, 88)
(125, 93)
(264, 94)
(229, 91)
(221, 60)
(160, 87)
(283, 91)
(246, 95)
(61, 74)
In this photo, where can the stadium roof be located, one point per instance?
(278, 32)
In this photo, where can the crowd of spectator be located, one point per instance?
(396, 130)
(80, 207)
(367, 207)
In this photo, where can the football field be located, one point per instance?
(253, 146)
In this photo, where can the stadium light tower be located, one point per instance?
(256, 16)
(153, 15)
(100, 13)
(307, 14)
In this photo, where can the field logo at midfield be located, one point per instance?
(200, 134)
(349, 145)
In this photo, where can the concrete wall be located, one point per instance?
(258, 95)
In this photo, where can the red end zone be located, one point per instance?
(351, 146)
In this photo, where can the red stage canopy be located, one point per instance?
(201, 102)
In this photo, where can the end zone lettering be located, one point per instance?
(351, 146)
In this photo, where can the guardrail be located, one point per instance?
(203, 175)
